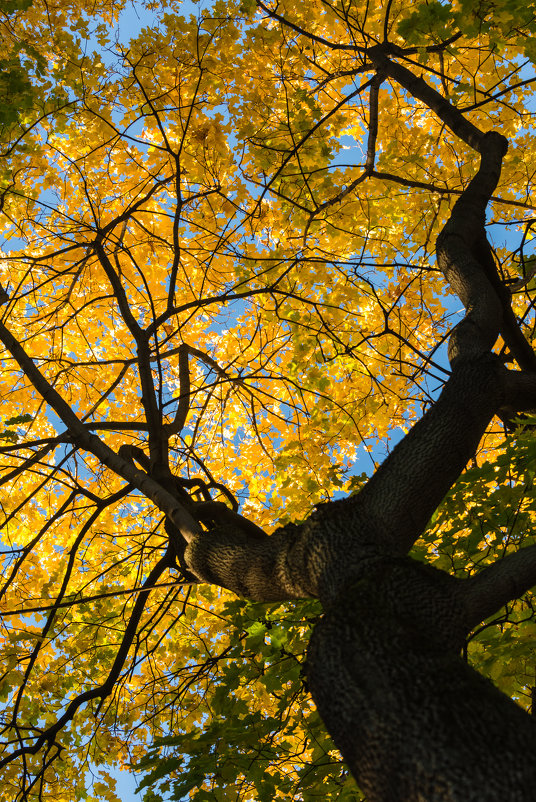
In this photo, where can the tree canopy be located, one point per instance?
(221, 307)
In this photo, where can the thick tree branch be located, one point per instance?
(394, 507)
(489, 590)
(405, 491)
(184, 351)
(407, 488)
(449, 114)
(520, 391)
(119, 292)
(463, 257)
(261, 568)
(463, 243)
(183, 405)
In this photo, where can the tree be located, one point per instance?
(207, 309)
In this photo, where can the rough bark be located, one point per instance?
(412, 720)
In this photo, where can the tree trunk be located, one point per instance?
(413, 721)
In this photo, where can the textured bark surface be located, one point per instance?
(413, 721)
